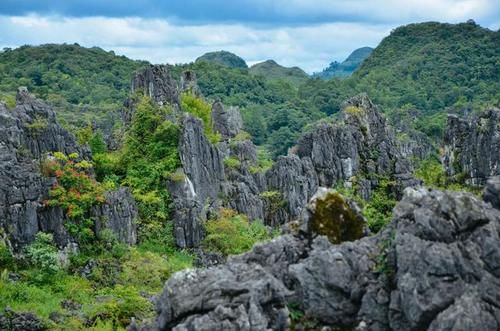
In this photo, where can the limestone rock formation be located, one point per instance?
(472, 147)
(227, 174)
(492, 192)
(226, 121)
(360, 144)
(156, 82)
(435, 267)
(27, 133)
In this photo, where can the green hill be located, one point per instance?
(433, 66)
(273, 71)
(68, 73)
(223, 58)
(347, 67)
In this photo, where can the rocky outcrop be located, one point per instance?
(472, 147)
(360, 145)
(435, 267)
(14, 321)
(226, 121)
(492, 192)
(27, 133)
(361, 148)
(156, 82)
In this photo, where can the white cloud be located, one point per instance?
(310, 47)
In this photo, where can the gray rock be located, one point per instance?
(156, 82)
(296, 181)
(436, 267)
(472, 147)
(119, 214)
(28, 133)
(226, 120)
(20, 321)
(189, 83)
(492, 192)
(359, 144)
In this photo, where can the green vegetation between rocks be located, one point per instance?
(231, 233)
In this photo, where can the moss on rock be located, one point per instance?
(336, 219)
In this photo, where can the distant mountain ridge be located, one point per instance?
(223, 58)
(347, 67)
(271, 70)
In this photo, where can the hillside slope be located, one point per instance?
(346, 67)
(274, 72)
(59, 73)
(433, 66)
(223, 58)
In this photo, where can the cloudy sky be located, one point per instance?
(305, 33)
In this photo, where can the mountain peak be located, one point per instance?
(223, 58)
(348, 66)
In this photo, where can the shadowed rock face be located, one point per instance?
(27, 132)
(472, 147)
(435, 267)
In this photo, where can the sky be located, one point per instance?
(305, 33)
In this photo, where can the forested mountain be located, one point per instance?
(273, 71)
(68, 73)
(347, 67)
(224, 58)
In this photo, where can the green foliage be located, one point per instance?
(202, 110)
(281, 140)
(9, 100)
(432, 173)
(71, 73)
(296, 313)
(223, 58)
(42, 253)
(97, 144)
(149, 158)
(264, 161)
(232, 162)
(38, 125)
(274, 200)
(75, 191)
(378, 210)
(7, 261)
(232, 233)
(272, 71)
(382, 265)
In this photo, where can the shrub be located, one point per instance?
(38, 125)
(232, 162)
(378, 210)
(74, 191)
(274, 200)
(202, 110)
(7, 261)
(232, 233)
(42, 253)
